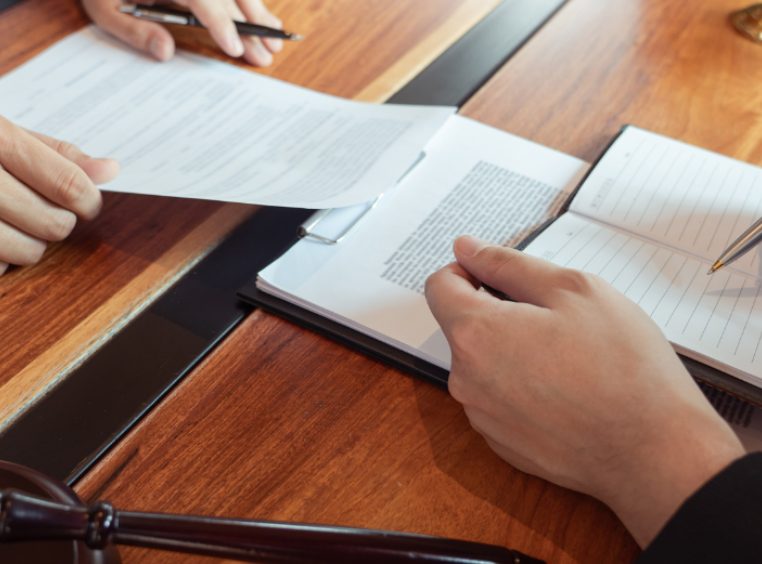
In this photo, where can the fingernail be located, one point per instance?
(110, 166)
(264, 56)
(233, 44)
(468, 245)
(101, 170)
(3, 267)
(160, 49)
(275, 45)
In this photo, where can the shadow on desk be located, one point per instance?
(519, 510)
(282, 424)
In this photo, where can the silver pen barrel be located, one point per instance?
(745, 242)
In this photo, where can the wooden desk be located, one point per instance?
(111, 269)
(279, 423)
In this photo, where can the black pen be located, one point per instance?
(170, 16)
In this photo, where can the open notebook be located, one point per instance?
(650, 217)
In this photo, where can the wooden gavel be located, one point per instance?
(42, 520)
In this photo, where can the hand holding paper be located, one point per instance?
(45, 184)
(198, 128)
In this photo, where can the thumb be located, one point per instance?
(522, 277)
(149, 37)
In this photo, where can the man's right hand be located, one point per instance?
(45, 185)
(573, 382)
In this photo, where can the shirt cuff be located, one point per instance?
(721, 522)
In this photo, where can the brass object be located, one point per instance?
(749, 22)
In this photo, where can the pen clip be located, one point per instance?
(147, 13)
(307, 229)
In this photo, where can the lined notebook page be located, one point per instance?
(719, 315)
(675, 194)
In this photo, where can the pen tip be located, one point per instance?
(295, 37)
(715, 267)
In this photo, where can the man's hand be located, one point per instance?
(574, 383)
(216, 15)
(45, 184)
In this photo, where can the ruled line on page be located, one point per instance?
(718, 316)
(692, 200)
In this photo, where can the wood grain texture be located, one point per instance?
(296, 428)
(282, 424)
(40, 307)
(55, 362)
(459, 21)
(54, 315)
(677, 68)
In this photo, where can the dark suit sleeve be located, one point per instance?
(721, 522)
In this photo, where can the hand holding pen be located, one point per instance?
(218, 16)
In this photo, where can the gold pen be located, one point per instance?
(748, 239)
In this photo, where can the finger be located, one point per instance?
(256, 12)
(256, 53)
(17, 247)
(100, 171)
(216, 18)
(53, 176)
(145, 36)
(32, 214)
(273, 44)
(523, 277)
(451, 293)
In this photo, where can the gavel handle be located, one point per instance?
(24, 517)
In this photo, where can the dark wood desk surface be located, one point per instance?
(279, 423)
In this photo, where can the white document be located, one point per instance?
(197, 128)
(651, 219)
(473, 180)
